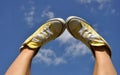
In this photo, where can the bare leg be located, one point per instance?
(47, 32)
(82, 30)
(22, 64)
(103, 63)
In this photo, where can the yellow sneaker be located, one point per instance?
(82, 31)
(47, 32)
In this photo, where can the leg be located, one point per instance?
(103, 63)
(22, 64)
(47, 32)
(101, 50)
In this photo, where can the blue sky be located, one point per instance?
(65, 55)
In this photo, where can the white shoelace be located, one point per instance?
(45, 33)
(87, 34)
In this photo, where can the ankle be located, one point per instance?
(101, 55)
(100, 52)
(29, 52)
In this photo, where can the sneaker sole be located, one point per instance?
(61, 21)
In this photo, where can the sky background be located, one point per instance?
(65, 55)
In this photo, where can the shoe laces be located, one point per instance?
(43, 35)
(88, 35)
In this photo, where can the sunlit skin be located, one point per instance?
(22, 64)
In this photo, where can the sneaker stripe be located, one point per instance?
(43, 35)
(49, 31)
(85, 33)
(35, 40)
(82, 30)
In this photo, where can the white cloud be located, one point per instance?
(74, 47)
(59, 60)
(102, 1)
(47, 13)
(29, 13)
(29, 17)
(94, 1)
(104, 4)
(49, 57)
(65, 38)
(99, 5)
(33, 15)
(85, 1)
(113, 11)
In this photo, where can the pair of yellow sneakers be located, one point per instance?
(78, 28)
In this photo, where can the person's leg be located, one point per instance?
(103, 63)
(22, 64)
(82, 31)
(47, 32)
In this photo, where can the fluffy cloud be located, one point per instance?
(49, 57)
(73, 50)
(33, 15)
(29, 16)
(94, 1)
(65, 38)
(99, 5)
(85, 1)
(74, 47)
(47, 13)
(29, 13)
